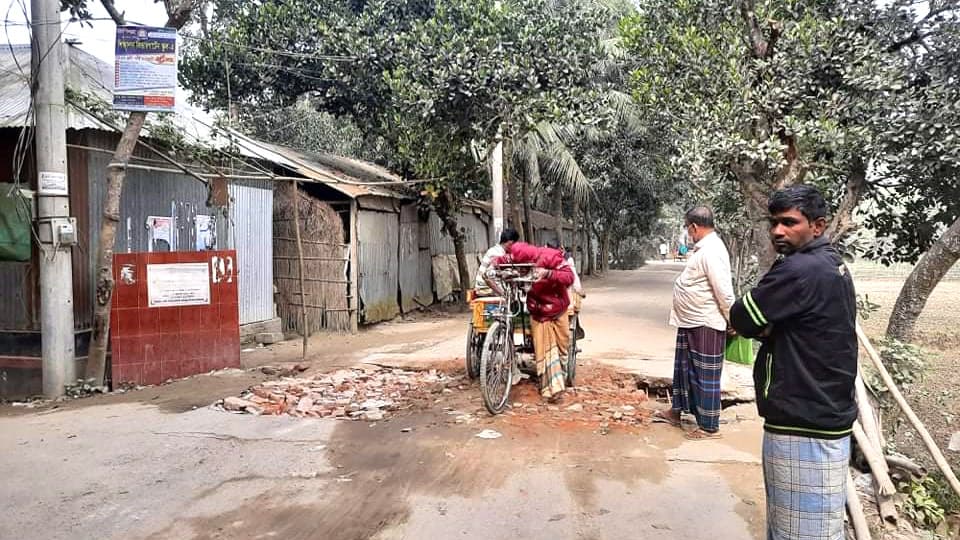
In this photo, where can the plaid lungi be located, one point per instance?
(696, 374)
(805, 480)
(550, 342)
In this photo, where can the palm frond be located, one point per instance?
(561, 168)
(625, 110)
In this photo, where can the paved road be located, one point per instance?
(147, 465)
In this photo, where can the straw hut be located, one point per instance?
(326, 259)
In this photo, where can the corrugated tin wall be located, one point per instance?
(251, 234)
(83, 272)
(150, 193)
(15, 285)
(378, 236)
(476, 230)
(415, 269)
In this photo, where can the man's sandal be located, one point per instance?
(662, 417)
(701, 435)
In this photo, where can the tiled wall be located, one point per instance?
(151, 345)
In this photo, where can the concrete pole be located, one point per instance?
(55, 229)
(496, 179)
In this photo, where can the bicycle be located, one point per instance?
(500, 354)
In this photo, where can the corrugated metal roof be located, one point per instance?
(350, 177)
(92, 76)
(540, 220)
(85, 73)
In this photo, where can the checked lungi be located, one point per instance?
(696, 374)
(805, 481)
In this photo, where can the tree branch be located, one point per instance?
(117, 16)
(758, 46)
(842, 222)
(178, 12)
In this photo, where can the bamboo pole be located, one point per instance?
(887, 507)
(305, 332)
(868, 417)
(860, 528)
(938, 457)
(875, 459)
(907, 465)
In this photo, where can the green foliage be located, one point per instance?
(78, 9)
(302, 127)
(905, 362)
(918, 172)
(161, 128)
(939, 489)
(431, 79)
(920, 505)
(758, 94)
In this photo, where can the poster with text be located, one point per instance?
(180, 284)
(145, 74)
(160, 230)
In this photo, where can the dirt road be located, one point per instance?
(147, 464)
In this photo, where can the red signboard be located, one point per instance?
(174, 314)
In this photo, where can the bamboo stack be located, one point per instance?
(869, 437)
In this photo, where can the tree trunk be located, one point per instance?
(931, 268)
(532, 175)
(558, 212)
(588, 241)
(178, 13)
(116, 173)
(516, 200)
(574, 238)
(605, 251)
(446, 211)
(755, 196)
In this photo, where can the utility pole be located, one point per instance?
(55, 228)
(496, 178)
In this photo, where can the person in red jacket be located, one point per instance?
(547, 302)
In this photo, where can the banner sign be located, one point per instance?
(145, 73)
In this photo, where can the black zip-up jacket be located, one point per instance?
(804, 373)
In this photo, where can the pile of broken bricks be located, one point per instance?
(368, 394)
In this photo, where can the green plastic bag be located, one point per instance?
(15, 223)
(739, 350)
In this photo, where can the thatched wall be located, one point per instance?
(326, 285)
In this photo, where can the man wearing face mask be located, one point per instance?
(803, 311)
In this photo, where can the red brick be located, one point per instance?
(191, 318)
(170, 369)
(149, 321)
(168, 319)
(124, 350)
(152, 347)
(189, 367)
(151, 373)
(230, 317)
(131, 373)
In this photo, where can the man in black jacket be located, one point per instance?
(803, 311)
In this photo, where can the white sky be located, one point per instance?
(97, 39)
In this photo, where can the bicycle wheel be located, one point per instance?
(570, 367)
(474, 350)
(496, 368)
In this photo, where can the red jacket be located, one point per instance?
(548, 298)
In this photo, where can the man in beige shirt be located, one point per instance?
(702, 298)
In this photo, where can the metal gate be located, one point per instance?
(379, 256)
(251, 234)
